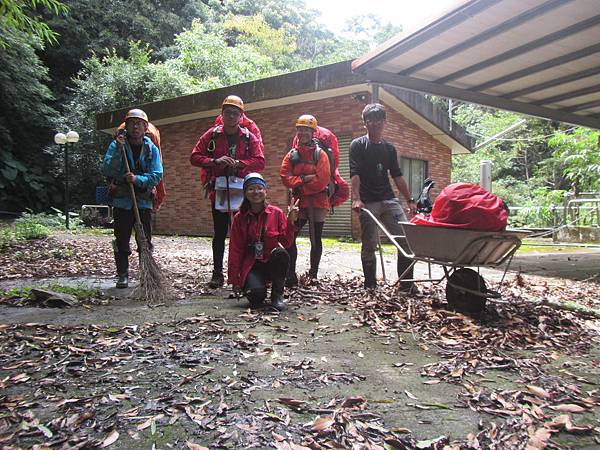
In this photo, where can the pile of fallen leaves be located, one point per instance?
(522, 335)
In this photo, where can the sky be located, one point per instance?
(403, 12)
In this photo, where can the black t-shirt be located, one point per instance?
(372, 162)
(232, 143)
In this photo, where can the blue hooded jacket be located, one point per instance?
(148, 170)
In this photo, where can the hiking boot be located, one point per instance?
(370, 272)
(277, 302)
(122, 281)
(291, 281)
(216, 281)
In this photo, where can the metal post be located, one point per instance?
(374, 93)
(485, 175)
(66, 147)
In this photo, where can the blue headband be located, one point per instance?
(251, 181)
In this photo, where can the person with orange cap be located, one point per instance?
(146, 171)
(306, 170)
(256, 247)
(226, 150)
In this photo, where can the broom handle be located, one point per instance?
(131, 190)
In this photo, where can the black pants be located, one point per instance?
(220, 228)
(316, 247)
(273, 270)
(124, 219)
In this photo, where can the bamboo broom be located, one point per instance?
(153, 286)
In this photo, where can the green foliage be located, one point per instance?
(24, 126)
(55, 220)
(105, 83)
(80, 292)
(577, 154)
(21, 15)
(24, 230)
(208, 58)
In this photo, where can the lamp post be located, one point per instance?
(64, 142)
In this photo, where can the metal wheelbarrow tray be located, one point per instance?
(455, 249)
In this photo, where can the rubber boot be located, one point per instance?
(402, 264)
(256, 297)
(122, 263)
(370, 272)
(277, 294)
(217, 280)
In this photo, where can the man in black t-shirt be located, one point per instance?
(371, 159)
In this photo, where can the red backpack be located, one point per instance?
(464, 205)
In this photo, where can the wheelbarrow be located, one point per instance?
(455, 250)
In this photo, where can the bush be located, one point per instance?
(31, 230)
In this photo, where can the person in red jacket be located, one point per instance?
(259, 234)
(226, 150)
(306, 171)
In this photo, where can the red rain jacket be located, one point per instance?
(464, 205)
(251, 155)
(329, 140)
(246, 122)
(313, 191)
(271, 225)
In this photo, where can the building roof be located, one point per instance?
(306, 85)
(536, 57)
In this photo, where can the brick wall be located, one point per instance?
(187, 212)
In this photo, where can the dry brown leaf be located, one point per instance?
(110, 439)
(538, 391)
(352, 401)
(539, 439)
(191, 446)
(569, 408)
(148, 422)
(291, 402)
(322, 423)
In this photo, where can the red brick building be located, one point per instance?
(422, 134)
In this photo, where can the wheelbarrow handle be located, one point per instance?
(390, 236)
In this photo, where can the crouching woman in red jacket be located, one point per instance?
(259, 235)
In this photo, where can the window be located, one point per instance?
(415, 173)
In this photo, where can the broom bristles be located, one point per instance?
(153, 286)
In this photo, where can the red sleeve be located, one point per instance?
(237, 242)
(286, 173)
(319, 183)
(199, 156)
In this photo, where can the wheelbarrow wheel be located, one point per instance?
(462, 300)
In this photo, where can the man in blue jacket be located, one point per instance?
(145, 172)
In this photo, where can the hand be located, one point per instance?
(130, 177)
(357, 205)
(226, 161)
(293, 211)
(412, 207)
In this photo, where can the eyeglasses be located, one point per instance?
(375, 121)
